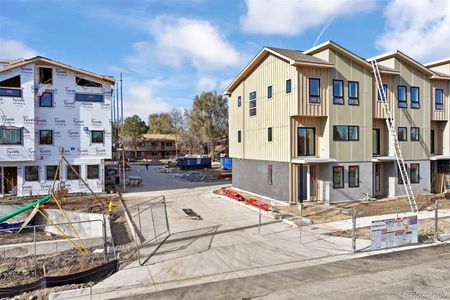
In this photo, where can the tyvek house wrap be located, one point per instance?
(71, 121)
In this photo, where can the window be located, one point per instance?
(376, 141)
(89, 97)
(13, 82)
(269, 92)
(399, 175)
(10, 136)
(306, 141)
(46, 100)
(314, 90)
(415, 134)
(432, 150)
(288, 86)
(31, 173)
(338, 92)
(269, 174)
(46, 137)
(338, 177)
(385, 92)
(401, 96)
(97, 136)
(51, 172)
(345, 133)
(45, 75)
(269, 134)
(71, 175)
(415, 97)
(438, 99)
(7, 92)
(252, 103)
(239, 100)
(86, 82)
(93, 171)
(377, 177)
(414, 173)
(353, 93)
(353, 176)
(402, 134)
(239, 136)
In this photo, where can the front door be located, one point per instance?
(9, 179)
(307, 183)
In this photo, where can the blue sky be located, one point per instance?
(171, 50)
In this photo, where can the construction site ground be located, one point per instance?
(319, 213)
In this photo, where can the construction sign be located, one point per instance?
(394, 232)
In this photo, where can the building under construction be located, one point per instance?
(327, 125)
(46, 106)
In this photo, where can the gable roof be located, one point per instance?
(438, 63)
(400, 55)
(292, 57)
(21, 62)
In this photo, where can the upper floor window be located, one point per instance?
(239, 136)
(8, 92)
(353, 93)
(288, 86)
(239, 101)
(306, 141)
(45, 137)
(345, 133)
(97, 136)
(314, 90)
(86, 82)
(10, 136)
(338, 92)
(384, 89)
(252, 103)
(438, 99)
(415, 134)
(401, 96)
(46, 100)
(269, 92)
(415, 97)
(269, 134)
(46, 75)
(31, 173)
(89, 97)
(402, 134)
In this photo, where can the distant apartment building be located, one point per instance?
(153, 146)
(309, 125)
(45, 106)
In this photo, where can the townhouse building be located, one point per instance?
(309, 125)
(153, 146)
(46, 106)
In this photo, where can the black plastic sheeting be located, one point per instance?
(92, 275)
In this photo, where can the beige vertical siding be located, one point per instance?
(348, 70)
(274, 112)
(320, 126)
(312, 109)
(440, 115)
(410, 76)
(378, 111)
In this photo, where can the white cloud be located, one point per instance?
(292, 17)
(12, 49)
(419, 28)
(139, 99)
(206, 84)
(180, 40)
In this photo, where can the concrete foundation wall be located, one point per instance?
(252, 175)
(396, 189)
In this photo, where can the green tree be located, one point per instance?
(209, 119)
(178, 125)
(161, 123)
(133, 129)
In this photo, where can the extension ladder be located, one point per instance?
(393, 134)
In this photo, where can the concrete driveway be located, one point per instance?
(225, 244)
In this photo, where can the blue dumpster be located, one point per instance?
(226, 163)
(190, 163)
